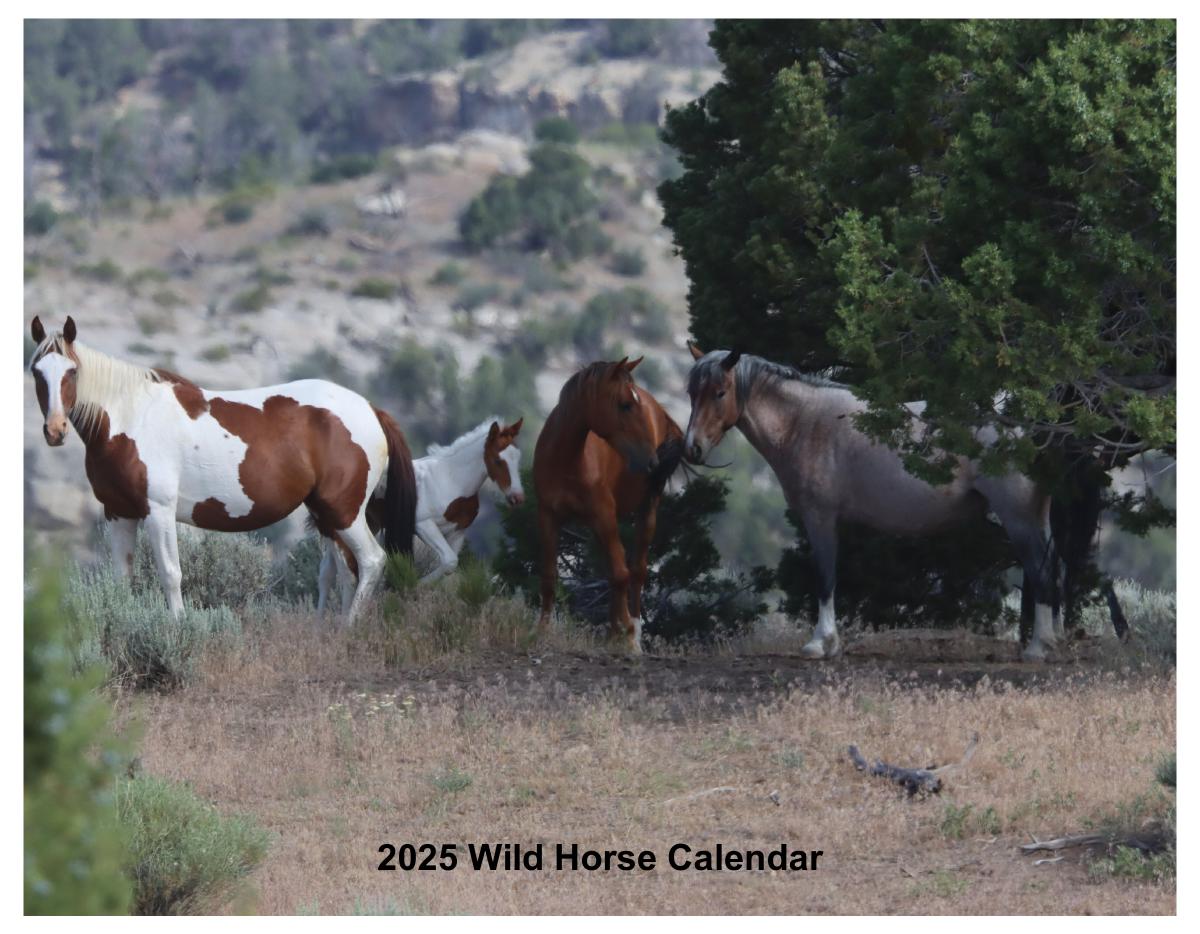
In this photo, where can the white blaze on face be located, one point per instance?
(511, 456)
(53, 367)
(635, 397)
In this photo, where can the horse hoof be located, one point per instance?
(814, 649)
(1034, 653)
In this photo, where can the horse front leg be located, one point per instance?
(548, 527)
(822, 536)
(646, 525)
(122, 540)
(164, 546)
(621, 627)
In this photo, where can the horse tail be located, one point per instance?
(400, 497)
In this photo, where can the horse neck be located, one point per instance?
(463, 470)
(104, 402)
(569, 426)
(775, 413)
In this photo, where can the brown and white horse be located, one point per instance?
(831, 472)
(606, 450)
(449, 479)
(160, 449)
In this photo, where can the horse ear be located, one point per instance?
(731, 360)
(493, 432)
(630, 367)
(36, 329)
(618, 367)
(515, 428)
(697, 353)
(69, 330)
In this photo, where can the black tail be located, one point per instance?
(1075, 511)
(400, 498)
(670, 455)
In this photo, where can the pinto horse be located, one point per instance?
(606, 450)
(449, 479)
(832, 472)
(160, 449)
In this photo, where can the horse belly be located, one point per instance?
(908, 506)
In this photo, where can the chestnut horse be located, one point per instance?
(160, 449)
(606, 450)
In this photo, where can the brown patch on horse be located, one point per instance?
(462, 511)
(294, 454)
(497, 440)
(351, 561)
(188, 393)
(116, 473)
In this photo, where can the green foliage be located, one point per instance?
(343, 167)
(313, 222)
(219, 568)
(981, 215)
(556, 130)
(133, 635)
(1165, 773)
(298, 581)
(473, 581)
(449, 273)
(883, 585)
(630, 263)
(631, 38)
(1152, 621)
(73, 843)
(550, 207)
(104, 270)
(373, 287)
(400, 573)
(973, 208)
(40, 218)
(185, 857)
(688, 593)
(322, 363)
(474, 295)
(630, 309)
(236, 207)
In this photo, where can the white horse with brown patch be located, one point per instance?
(449, 479)
(160, 449)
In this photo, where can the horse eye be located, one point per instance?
(721, 394)
(625, 406)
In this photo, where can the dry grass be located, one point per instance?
(496, 739)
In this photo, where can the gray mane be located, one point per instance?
(752, 371)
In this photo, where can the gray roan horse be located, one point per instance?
(831, 472)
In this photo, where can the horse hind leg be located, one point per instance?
(822, 536)
(368, 559)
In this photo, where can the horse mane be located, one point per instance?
(101, 381)
(466, 438)
(583, 380)
(752, 371)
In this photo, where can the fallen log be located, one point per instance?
(925, 781)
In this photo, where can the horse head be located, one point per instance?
(55, 376)
(712, 386)
(618, 414)
(502, 458)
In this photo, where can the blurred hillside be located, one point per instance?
(449, 216)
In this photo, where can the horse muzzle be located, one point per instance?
(54, 436)
(515, 498)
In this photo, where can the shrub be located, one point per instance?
(551, 207)
(631, 38)
(634, 135)
(298, 581)
(321, 363)
(556, 130)
(237, 207)
(134, 635)
(400, 573)
(311, 223)
(630, 263)
(449, 273)
(219, 568)
(103, 271)
(473, 582)
(73, 843)
(688, 594)
(341, 168)
(40, 218)
(1151, 615)
(216, 353)
(475, 295)
(254, 299)
(184, 857)
(376, 288)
